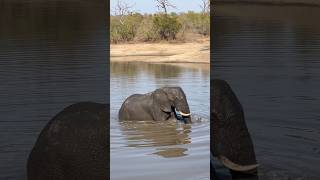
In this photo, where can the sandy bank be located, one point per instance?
(190, 52)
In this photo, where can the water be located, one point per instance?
(270, 55)
(52, 54)
(160, 150)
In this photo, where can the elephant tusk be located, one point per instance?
(184, 114)
(236, 167)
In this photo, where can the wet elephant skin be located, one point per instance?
(230, 138)
(73, 145)
(159, 105)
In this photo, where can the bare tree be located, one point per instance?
(164, 4)
(122, 9)
(205, 6)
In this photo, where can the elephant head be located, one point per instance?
(231, 141)
(171, 102)
(73, 145)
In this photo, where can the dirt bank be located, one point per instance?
(162, 52)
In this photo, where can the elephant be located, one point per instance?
(160, 105)
(231, 142)
(73, 145)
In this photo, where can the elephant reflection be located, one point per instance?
(166, 138)
(231, 142)
(171, 152)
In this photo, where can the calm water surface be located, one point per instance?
(271, 57)
(51, 55)
(167, 150)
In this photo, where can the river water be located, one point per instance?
(167, 150)
(270, 55)
(52, 54)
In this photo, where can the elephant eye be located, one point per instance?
(180, 98)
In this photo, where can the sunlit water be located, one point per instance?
(270, 55)
(160, 150)
(52, 54)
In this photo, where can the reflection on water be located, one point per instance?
(52, 54)
(162, 135)
(152, 134)
(159, 150)
(171, 152)
(158, 71)
(270, 56)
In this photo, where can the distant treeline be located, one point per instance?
(160, 26)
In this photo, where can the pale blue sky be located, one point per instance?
(149, 6)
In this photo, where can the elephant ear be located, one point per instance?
(161, 100)
(172, 92)
(232, 142)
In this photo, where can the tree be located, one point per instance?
(125, 23)
(164, 4)
(166, 26)
(205, 6)
(122, 9)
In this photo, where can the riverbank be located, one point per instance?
(162, 52)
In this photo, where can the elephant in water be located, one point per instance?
(160, 105)
(73, 145)
(230, 140)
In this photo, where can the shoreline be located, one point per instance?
(197, 52)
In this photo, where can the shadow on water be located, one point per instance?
(270, 57)
(52, 54)
(162, 136)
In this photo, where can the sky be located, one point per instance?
(149, 6)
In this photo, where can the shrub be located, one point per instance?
(145, 31)
(203, 26)
(150, 27)
(125, 28)
(166, 26)
(196, 22)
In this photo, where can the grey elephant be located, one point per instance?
(73, 145)
(160, 105)
(231, 142)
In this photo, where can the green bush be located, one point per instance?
(145, 30)
(166, 26)
(196, 22)
(203, 25)
(125, 28)
(150, 27)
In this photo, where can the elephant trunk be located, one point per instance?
(182, 108)
(231, 141)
